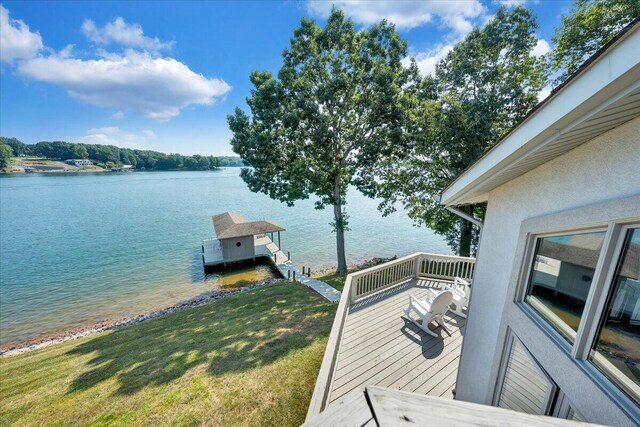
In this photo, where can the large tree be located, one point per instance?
(588, 27)
(334, 111)
(485, 85)
(6, 152)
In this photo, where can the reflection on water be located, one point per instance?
(242, 276)
(78, 250)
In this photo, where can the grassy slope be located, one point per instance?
(335, 280)
(250, 359)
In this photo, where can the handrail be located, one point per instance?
(377, 278)
(365, 282)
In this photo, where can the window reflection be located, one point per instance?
(617, 346)
(561, 277)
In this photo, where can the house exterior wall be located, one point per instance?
(232, 252)
(605, 169)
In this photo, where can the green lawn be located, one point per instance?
(250, 359)
(334, 280)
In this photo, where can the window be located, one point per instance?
(616, 349)
(525, 387)
(580, 282)
(561, 276)
(564, 408)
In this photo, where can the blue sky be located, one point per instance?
(164, 75)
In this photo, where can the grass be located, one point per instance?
(250, 359)
(334, 280)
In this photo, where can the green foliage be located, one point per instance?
(6, 152)
(16, 145)
(115, 156)
(333, 112)
(484, 86)
(80, 151)
(589, 26)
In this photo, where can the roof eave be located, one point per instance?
(591, 86)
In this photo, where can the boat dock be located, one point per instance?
(266, 248)
(212, 251)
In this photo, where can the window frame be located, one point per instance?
(549, 317)
(552, 392)
(616, 217)
(603, 366)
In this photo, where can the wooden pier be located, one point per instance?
(239, 240)
(265, 248)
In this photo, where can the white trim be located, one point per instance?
(613, 75)
(617, 216)
(550, 395)
(614, 375)
(601, 285)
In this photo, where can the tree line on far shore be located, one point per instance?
(111, 156)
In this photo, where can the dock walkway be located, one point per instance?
(265, 247)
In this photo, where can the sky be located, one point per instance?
(164, 75)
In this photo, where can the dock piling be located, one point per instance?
(294, 275)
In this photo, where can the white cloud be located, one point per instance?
(113, 135)
(157, 88)
(427, 61)
(542, 47)
(118, 31)
(510, 3)
(16, 40)
(405, 14)
(118, 115)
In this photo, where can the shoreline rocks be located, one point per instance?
(203, 298)
(73, 334)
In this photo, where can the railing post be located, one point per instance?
(418, 266)
(354, 289)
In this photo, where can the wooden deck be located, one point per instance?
(379, 346)
(375, 406)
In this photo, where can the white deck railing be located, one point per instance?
(364, 283)
(375, 279)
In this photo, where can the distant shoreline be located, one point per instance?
(108, 171)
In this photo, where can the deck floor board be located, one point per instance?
(379, 346)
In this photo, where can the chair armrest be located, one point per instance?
(456, 290)
(414, 300)
(461, 281)
(417, 303)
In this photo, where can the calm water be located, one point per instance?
(77, 250)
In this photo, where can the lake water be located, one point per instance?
(76, 250)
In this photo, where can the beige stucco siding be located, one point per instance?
(606, 168)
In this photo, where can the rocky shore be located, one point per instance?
(69, 335)
(355, 267)
(206, 297)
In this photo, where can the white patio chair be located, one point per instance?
(430, 310)
(461, 290)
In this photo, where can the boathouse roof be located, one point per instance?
(230, 225)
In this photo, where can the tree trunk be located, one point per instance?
(339, 224)
(466, 235)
